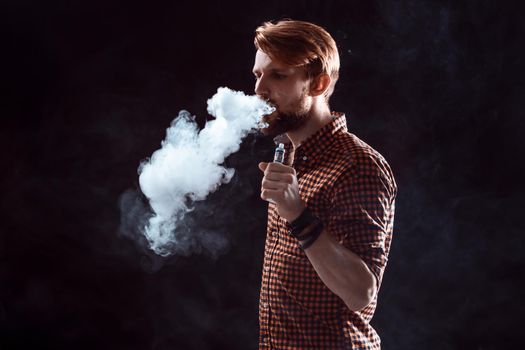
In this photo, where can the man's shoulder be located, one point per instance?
(360, 158)
(352, 148)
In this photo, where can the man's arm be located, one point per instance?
(341, 270)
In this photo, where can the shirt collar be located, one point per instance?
(316, 144)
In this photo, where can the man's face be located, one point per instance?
(286, 88)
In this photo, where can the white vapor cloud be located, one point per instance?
(188, 165)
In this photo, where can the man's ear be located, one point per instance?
(320, 84)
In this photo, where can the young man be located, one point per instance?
(331, 210)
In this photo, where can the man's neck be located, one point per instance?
(319, 116)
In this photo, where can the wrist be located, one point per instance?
(312, 236)
(297, 213)
(306, 228)
(304, 219)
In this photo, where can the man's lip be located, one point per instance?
(271, 116)
(266, 119)
(271, 103)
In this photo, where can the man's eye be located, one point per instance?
(279, 76)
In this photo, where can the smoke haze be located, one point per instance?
(186, 169)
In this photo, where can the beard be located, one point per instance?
(280, 122)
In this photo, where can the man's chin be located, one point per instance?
(271, 121)
(269, 131)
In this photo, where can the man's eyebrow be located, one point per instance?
(272, 70)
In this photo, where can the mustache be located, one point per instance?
(270, 102)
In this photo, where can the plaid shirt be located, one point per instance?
(351, 188)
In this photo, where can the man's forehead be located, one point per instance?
(263, 61)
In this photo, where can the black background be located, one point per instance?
(90, 86)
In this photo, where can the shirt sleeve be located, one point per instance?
(362, 211)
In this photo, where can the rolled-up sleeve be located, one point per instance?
(362, 211)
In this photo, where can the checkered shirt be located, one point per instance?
(351, 188)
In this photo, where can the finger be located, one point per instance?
(273, 185)
(279, 168)
(271, 195)
(263, 166)
(286, 178)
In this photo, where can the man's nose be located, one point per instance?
(261, 89)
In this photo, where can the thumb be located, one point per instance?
(262, 166)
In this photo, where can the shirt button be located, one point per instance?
(305, 158)
(264, 305)
(266, 268)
